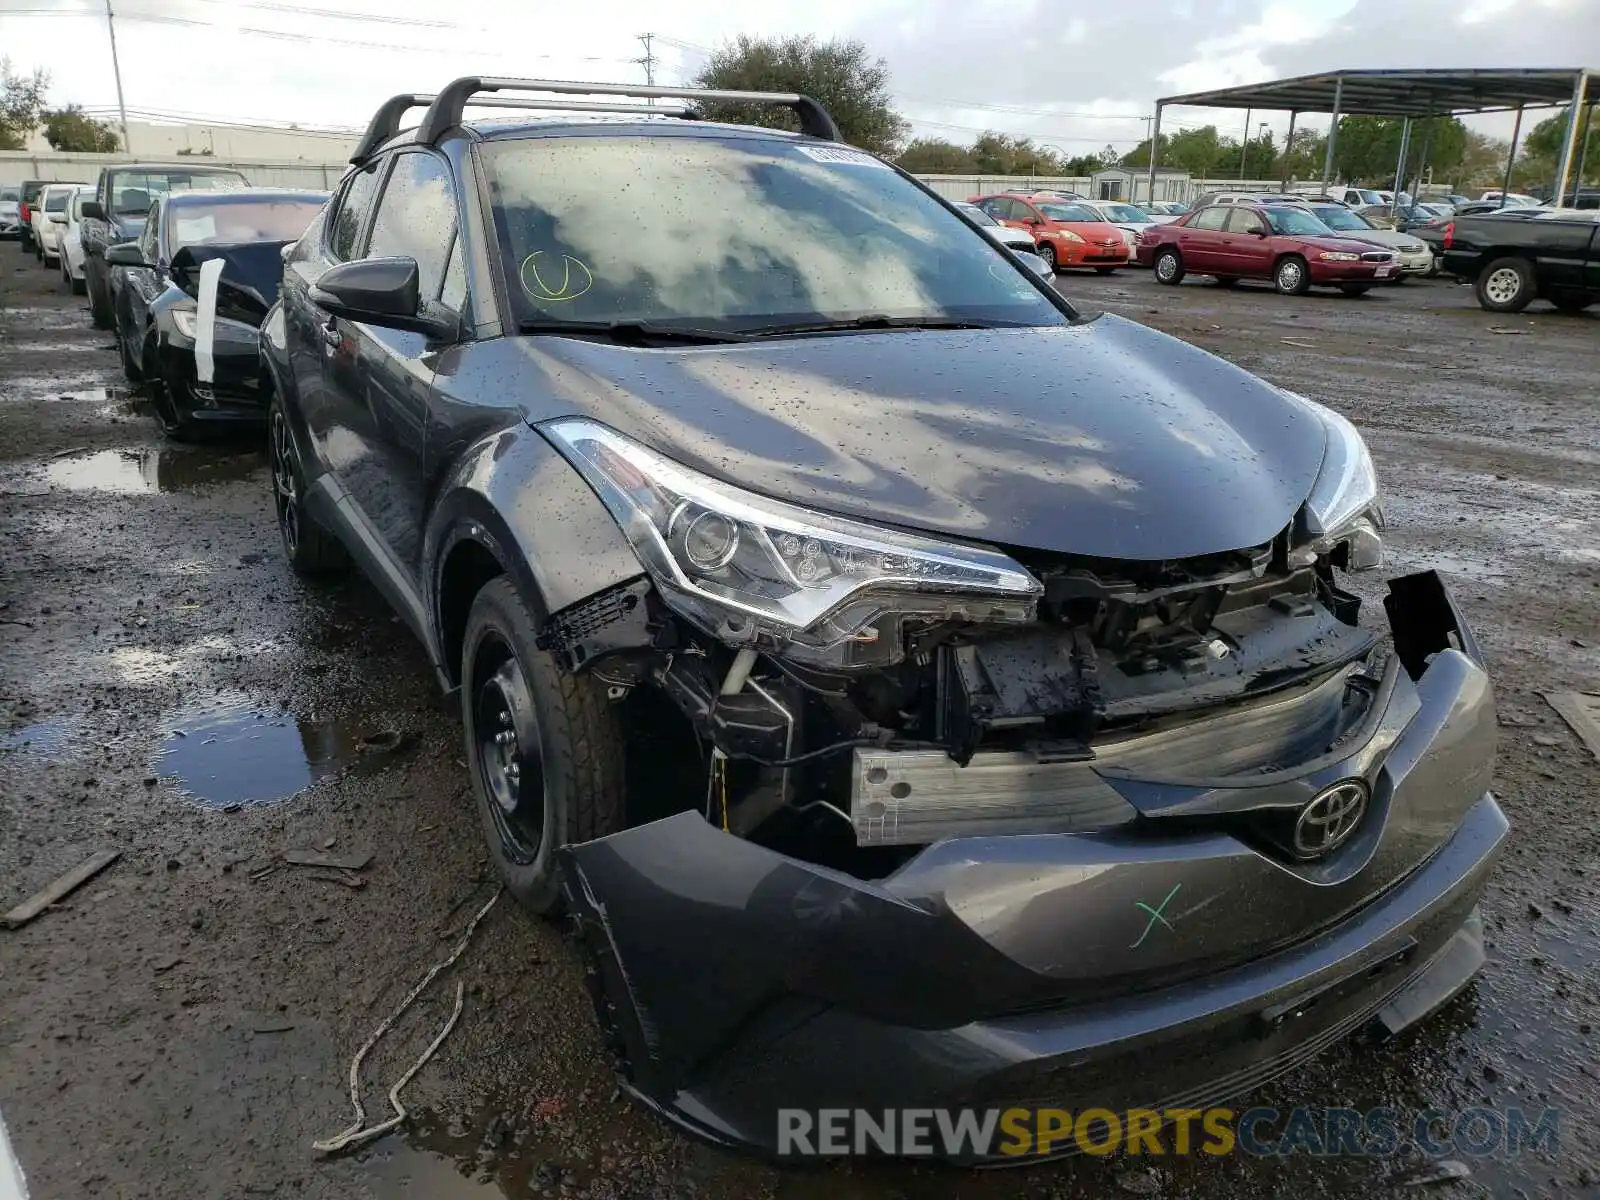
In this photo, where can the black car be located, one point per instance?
(122, 198)
(918, 692)
(1511, 263)
(198, 282)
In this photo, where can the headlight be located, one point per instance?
(1066, 235)
(183, 318)
(226, 330)
(1343, 506)
(1338, 256)
(748, 569)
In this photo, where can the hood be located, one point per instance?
(1347, 242)
(1104, 438)
(1387, 238)
(251, 275)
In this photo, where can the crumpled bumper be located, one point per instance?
(1129, 967)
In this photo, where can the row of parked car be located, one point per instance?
(141, 242)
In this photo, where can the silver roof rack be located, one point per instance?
(385, 122)
(445, 111)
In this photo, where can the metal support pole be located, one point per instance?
(116, 70)
(1155, 140)
(1583, 149)
(1422, 163)
(1400, 166)
(1288, 148)
(1244, 150)
(1511, 159)
(1580, 91)
(1333, 133)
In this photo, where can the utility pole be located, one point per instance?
(648, 62)
(116, 70)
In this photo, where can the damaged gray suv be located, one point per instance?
(915, 691)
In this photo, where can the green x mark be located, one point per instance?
(1156, 914)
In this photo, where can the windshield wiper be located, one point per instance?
(873, 321)
(632, 332)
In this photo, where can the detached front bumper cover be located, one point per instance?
(1130, 967)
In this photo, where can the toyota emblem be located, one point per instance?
(1328, 821)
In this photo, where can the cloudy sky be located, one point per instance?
(1077, 75)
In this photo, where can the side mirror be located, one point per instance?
(380, 291)
(125, 254)
(93, 210)
(1260, 232)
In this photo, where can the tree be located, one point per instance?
(69, 129)
(21, 105)
(1368, 148)
(1083, 164)
(1540, 156)
(1303, 159)
(1483, 162)
(1004, 154)
(851, 84)
(936, 156)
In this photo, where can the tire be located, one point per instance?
(543, 746)
(1227, 281)
(1048, 253)
(79, 286)
(1506, 285)
(1355, 289)
(1104, 270)
(1292, 276)
(312, 551)
(1168, 267)
(130, 369)
(100, 314)
(1571, 304)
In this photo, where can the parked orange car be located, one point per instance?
(1067, 234)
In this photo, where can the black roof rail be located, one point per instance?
(445, 112)
(386, 122)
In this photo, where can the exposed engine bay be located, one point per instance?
(963, 725)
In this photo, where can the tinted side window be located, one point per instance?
(416, 218)
(1209, 218)
(1242, 220)
(354, 205)
(453, 292)
(148, 239)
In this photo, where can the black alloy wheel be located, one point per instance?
(311, 550)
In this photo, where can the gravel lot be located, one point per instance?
(183, 1025)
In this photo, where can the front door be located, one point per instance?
(1200, 241)
(379, 379)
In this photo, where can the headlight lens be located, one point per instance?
(1343, 505)
(746, 568)
(1067, 235)
(183, 318)
(1339, 256)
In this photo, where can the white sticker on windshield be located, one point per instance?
(853, 158)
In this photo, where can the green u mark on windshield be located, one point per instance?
(1155, 914)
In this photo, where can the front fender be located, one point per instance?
(517, 497)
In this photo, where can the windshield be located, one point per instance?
(1069, 212)
(977, 214)
(239, 221)
(1295, 222)
(132, 191)
(10, 193)
(1335, 217)
(1126, 212)
(739, 232)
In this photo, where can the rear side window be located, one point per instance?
(1209, 218)
(354, 206)
(416, 218)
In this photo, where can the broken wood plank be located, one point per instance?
(60, 889)
(355, 860)
(1581, 711)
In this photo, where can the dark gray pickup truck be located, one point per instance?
(1512, 263)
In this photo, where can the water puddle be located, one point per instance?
(87, 385)
(146, 471)
(402, 1172)
(47, 739)
(231, 753)
(59, 347)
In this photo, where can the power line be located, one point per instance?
(1019, 109)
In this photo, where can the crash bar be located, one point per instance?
(445, 112)
(386, 122)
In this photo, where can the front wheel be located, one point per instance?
(100, 314)
(1292, 276)
(1168, 268)
(543, 746)
(312, 551)
(1048, 253)
(1506, 285)
(130, 368)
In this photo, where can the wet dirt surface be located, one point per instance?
(183, 1024)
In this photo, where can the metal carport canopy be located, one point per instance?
(1429, 93)
(1399, 93)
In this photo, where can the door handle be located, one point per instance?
(331, 337)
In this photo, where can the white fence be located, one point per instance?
(960, 187)
(17, 165)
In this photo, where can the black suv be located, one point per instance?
(911, 686)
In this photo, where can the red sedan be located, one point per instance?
(1281, 242)
(1067, 234)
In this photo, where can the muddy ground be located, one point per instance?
(183, 1025)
